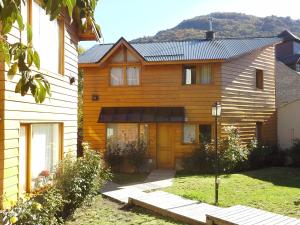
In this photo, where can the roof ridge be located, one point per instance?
(202, 39)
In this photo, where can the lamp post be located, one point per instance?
(216, 112)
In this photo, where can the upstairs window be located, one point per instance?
(206, 74)
(259, 79)
(200, 74)
(47, 39)
(189, 75)
(125, 70)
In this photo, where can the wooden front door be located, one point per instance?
(165, 157)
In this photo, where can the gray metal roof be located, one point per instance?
(185, 50)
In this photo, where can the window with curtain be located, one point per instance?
(189, 133)
(206, 74)
(124, 134)
(116, 76)
(46, 38)
(22, 159)
(44, 152)
(133, 75)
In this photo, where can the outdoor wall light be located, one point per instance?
(216, 112)
(95, 97)
(72, 80)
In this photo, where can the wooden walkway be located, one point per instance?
(243, 215)
(185, 210)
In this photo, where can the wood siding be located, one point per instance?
(161, 85)
(233, 84)
(242, 103)
(14, 110)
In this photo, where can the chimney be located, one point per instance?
(210, 34)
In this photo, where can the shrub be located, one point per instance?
(134, 152)
(80, 179)
(265, 156)
(232, 155)
(39, 209)
(294, 153)
(77, 181)
(202, 160)
(137, 155)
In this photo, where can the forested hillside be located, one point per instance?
(227, 25)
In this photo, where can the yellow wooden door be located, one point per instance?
(165, 158)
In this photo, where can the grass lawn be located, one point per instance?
(129, 178)
(102, 212)
(273, 189)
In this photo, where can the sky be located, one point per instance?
(137, 18)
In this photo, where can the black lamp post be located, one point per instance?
(216, 112)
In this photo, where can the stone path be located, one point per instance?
(147, 195)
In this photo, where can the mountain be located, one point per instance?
(226, 25)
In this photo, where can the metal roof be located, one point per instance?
(185, 50)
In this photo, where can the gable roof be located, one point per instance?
(217, 49)
(288, 36)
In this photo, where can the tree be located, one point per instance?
(20, 57)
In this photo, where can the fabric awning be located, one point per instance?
(141, 114)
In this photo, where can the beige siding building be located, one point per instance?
(34, 137)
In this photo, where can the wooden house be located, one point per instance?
(162, 93)
(34, 137)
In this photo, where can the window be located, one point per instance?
(44, 154)
(125, 134)
(47, 39)
(116, 76)
(133, 75)
(197, 74)
(258, 131)
(189, 75)
(206, 74)
(125, 69)
(259, 79)
(189, 133)
(205, 134)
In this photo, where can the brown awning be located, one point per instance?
(141, 114)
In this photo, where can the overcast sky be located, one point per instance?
(137, 18)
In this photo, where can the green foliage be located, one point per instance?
(19, 57)
(134, 152)
(232, 155)
(80, 179)
(77, 181)
(41, 209)
(294, 153)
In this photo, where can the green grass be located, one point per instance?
(105, 212)
(273, 189)
(129, 178)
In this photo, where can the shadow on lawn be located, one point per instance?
(280, 176)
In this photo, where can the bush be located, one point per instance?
(265, 156)
(202, 160)
(134, 152)
(80, 179)
(294, 153)
(39, 209)
(77, 181)
(232, 155)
